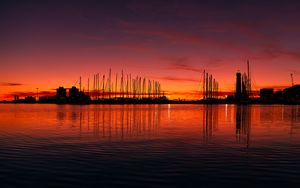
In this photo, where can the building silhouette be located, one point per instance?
(242, 88)
(266, 94)
(73, 92)
(292, 94)
(16, 98)
(61, 93)
(238, 86)
(278, 97)
(29, 99)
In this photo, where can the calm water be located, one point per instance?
(149, 145)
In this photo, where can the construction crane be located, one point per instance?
(292, 79)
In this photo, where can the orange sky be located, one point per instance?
(46, 45)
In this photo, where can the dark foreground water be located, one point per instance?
(149, 146)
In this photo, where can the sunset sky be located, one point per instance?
(46, 44)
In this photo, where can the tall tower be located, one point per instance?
(238, 88)
(249, 80)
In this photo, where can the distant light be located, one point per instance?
(169, 111)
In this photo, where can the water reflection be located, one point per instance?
(243, 124)
(211, 118)
(225, 124)
(120, 144)
(210, 121)
(108, 122)
(295, 114)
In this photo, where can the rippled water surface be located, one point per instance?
(149, 145)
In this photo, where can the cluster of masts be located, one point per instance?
(210, 86)
(125, 86)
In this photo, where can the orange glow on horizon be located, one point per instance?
(186, 87)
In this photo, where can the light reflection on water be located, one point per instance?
(157, 145)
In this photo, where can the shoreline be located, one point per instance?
(112, 102)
